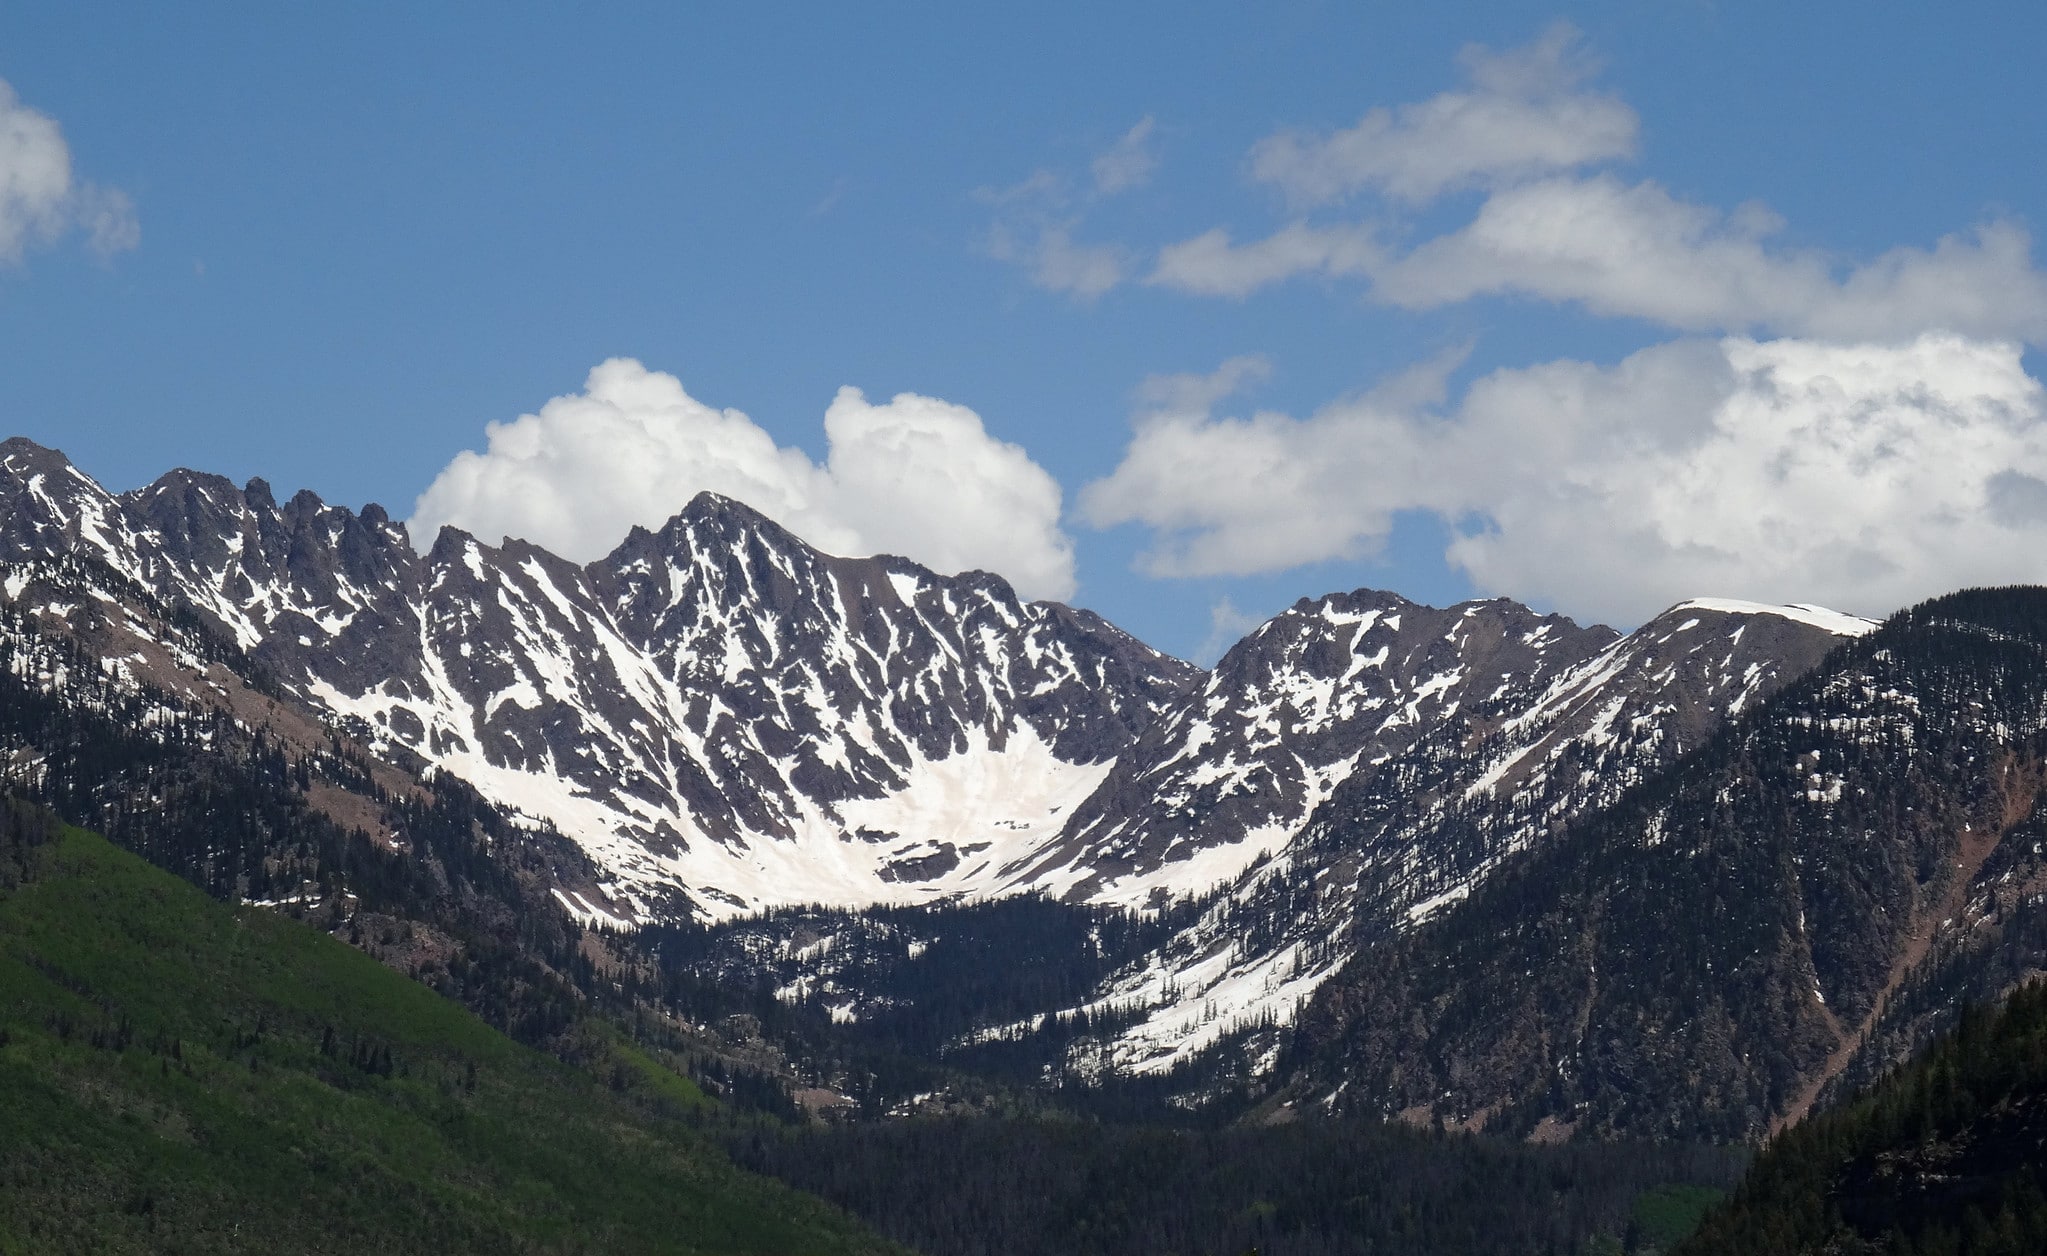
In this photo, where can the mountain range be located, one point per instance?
(1475, 866)
(726, 719)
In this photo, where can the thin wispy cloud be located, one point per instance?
(830, 200)
(1128, 163)
(1636, 251)
(1047, 251)
(1529, 130)
(1038, 221)
(1523, 112)
(1226, 626)
(1211, 264)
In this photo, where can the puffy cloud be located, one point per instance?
(1863, 476)
(922, 478)
(1521, 115)
(915, 476)
(1128, 163)
(39, 198)
(35, 176)
(1229, 496)
(1637, 251)
(1209, 264)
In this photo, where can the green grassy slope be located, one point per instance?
(179, 1076)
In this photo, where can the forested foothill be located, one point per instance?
(981, 1186)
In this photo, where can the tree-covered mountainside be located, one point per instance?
(999, 1187)
(897, 1002)
(1702, 958)
(1947, 1155)
(177, 1075)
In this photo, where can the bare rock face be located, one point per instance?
(1788, 909)
(1420, 836)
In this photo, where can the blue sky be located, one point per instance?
(333, 243)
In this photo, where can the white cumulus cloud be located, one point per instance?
(1859, 475)
(40, 200)
(913, 476)
(1523, 113)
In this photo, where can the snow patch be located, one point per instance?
(1801, 612)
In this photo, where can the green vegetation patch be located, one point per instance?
(178, 1076)
(1664, 1215)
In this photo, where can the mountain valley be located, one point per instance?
(841, 839)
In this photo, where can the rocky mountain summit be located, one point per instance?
(728, 719)
(725, 717)
(1333, 687)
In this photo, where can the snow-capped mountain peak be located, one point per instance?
(726, 717)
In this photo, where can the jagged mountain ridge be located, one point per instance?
(716, 711)
(1437, 743)
(727, 719)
